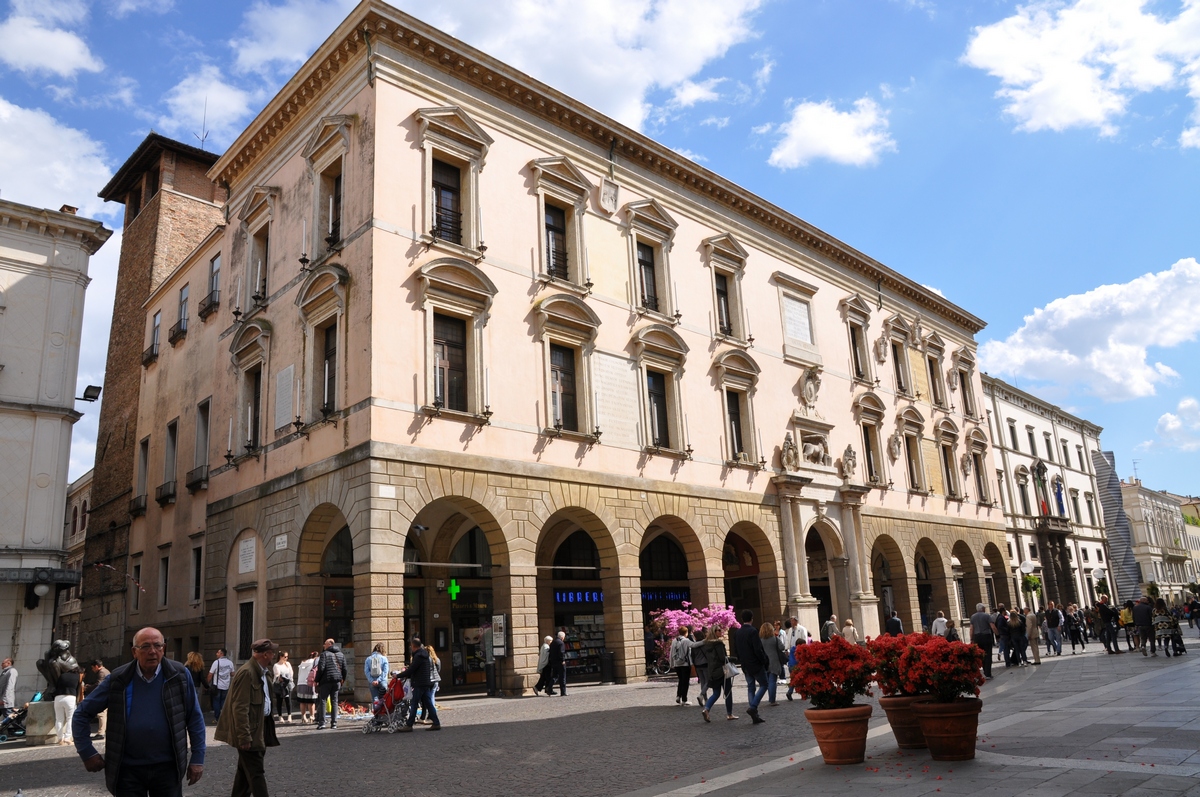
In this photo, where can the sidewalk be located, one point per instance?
(1093, 724)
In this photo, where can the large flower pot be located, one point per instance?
(905, 726)
(841, 732)
(950, 729)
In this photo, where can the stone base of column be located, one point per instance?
(39, 725)
(865, 610)
(804, 608)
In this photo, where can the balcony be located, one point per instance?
(165, 493)
(447, 226)
(178, 332)
(197, 479)
(137, 505)
(557, 265)
(149, 355)
(209, 304)
(1054, 525)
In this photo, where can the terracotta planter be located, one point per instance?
(841, 733)
(950, 729)
(905, 726)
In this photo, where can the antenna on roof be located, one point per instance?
(203, 124)
(1135, 472)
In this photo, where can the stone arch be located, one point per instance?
(765, 571)
(996, 576)
(825, 553)
(968, 579)
(891, 580)
(931, 584)
(699, 561)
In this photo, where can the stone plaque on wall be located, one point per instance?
(246, 561)
(617, 399)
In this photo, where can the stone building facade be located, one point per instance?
(486, 363)
(44, 257)
(1048, 488)
(1160, 544)
(75, 522)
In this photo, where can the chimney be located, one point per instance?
(68, 209)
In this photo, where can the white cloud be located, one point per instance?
(1064, 65)
(1179, 429)
(763, 129)
(1099, 340)
(687, 153)
(45, 163)
(205, 99)
(54, 12)
(607, 53)
(933, 290)
(27, 45)
(719, 122)
(688, 93)
(819, 130)
(762, 75)
(123, 8)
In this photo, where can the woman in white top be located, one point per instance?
(285, 679)
(849, 632)
(305, 692)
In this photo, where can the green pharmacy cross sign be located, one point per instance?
(454, 590)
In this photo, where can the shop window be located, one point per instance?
(577, 559)
(456, 297)
(727, 260)
(454, 148)
(661, 353)
(472, 549)
(562, 191)
(652, 231)
(795, 302)
(663, 560)
(339, 555)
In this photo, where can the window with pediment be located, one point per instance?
(935, 350)
(456, 298)
(321, 302)
(651, 233)
(660, 356)
(726, 259)
(249, 350)
(455, 148)
(325, 153)
(257, 218)
(737, 378)
(567, 328)
(946, 437)
(977, 454)
(869, 411)
(562, 192)
(857, 315)
(912, 428)
(962, 374)
(799, 334)
(897, 337)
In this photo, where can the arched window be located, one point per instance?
(579, 553)
(74, 521)
(663, 560)
(83, 516)
(472, 548)
(339, 556)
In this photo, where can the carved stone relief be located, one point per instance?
(965, 463)
(789, 455)
(810, 387)
(895, 446)
(849, 463)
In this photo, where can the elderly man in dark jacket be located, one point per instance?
(153, 714)
(246, 722)
(418, 673)
(331, 674)
(748, 648)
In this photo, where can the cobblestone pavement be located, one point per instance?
(1094, 723)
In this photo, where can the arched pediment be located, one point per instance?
(456, 281)
(736, 363)
(324, 284)
(946, 427)
(567, 312)
(977, 437)
(660, 339)
(251, 340)
(913, 416)
(868, 407)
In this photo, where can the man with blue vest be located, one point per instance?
(153, 715)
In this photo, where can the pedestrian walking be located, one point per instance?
(543, 682)
(1126, 621)
(331, 674)
(558, 666)
(681, 663)
(983, 634)
(154, 717)
(1003, 639)
(285, 678)
(418, 674)
(849, 632)
(1017, 641)
(435, 682)
(247, 724)
(1074, 624)
(219, 676)
(829, 628)
(952, 635)
(718, 677)
(1033, 630)
(1106, 618)
(8, 688)
(748, 648)
(938, 628)
(93, 674)
(1163, 627)
(195, 665)
(375, 668)
(776, 659)
(1054, 622)
(1143, 619)
(65, 701)
(306, 690)
(894, 626)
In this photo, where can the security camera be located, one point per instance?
(418, 529)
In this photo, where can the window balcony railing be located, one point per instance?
(137, 505)
(165, 493)
(178, 332)
(209, 304)
(197, 479)
(149, 355)
(447, 225)
(335, 234)
(726, 330)
(557, 265)
(650, 302)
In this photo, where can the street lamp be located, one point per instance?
(90, 393)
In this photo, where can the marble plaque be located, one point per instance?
(617, 398)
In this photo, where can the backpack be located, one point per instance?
(376, 666)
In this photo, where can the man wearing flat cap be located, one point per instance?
(246, 720)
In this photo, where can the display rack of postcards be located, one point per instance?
(585, 643)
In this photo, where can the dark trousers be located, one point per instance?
(422, 697)
(559, 676)
(282, 701)
(329, 690)
(716, 694)
(1146, 634)
(685, 675)
(218, 702)
(155, 780)
(250, 780)
(1018, 644)
(984, 643)
(543, 683)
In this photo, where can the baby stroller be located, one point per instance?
(13, 725)
(392, 710)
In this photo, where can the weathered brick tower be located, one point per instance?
(170, 206)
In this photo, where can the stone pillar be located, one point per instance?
(864, 607)
(1049, 568)
(1067, 578)
(839, 584)
(519, 670)
(791, 569)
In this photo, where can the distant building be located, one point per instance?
(79, 501)
(1124, 576)
(1160, 544)
(43, 276)
(1043, 460)
(1189, 505)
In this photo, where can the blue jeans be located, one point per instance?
(422, 696)
(1054, 640)
(772, 683)
(377, 693)
(756, 687)
(218, 702)
(716, 693)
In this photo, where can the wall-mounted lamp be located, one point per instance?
(90, 393)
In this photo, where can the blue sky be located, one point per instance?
(1035, 163)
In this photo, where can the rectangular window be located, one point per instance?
(1023, 493)
(947, 453)
(871, 453)
(202, 432)
(898, 363)
(733, 406)
(331, 203)
(1033, 551)
(1000, 485)
(164, 572)
(1066, 451)
(447, 202)
(329, 367)
(1084, 553)
(968, 392)
(1009, 550)
(724, 317)
(656, 390)
(912, 456)
(1075, 506)
(1079, 455)
(169, 454)
(183, 307)
(797, 320)
(137, 591)
(977, 463)
(937, 395)
(1049, 447)
(1012, 434)
(156, 331)
(858, 352)
(214, 274)
(212, 296)
(261, 261)
(1100, 556)
(254, 406)
(562, 388)
(649, 279)
(450, 362)
(1032, 441)
(143, 465)
(245, 629)
(197, 573)
(556, 243)
(1091, 508)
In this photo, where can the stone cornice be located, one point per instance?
(373, 20)
(89, 235)
(1031, 403)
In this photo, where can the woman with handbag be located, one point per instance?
(285, 678)
(306, 690)
(681, 663)
(776, 659)
(721, 672)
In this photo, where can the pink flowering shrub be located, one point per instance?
(670, 620)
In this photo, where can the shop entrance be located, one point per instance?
(579, 605)
(664, 570)
(818, 574)
(338, 599)
(739, 562)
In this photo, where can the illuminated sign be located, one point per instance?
(666, 595)
(578, 596)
